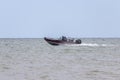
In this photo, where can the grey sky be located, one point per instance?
(53, 18)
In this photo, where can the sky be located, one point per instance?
(54, 18)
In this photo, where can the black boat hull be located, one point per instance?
(53, 41)
(57, 42)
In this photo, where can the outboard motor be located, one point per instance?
(78, 41)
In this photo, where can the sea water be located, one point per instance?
(35, 59)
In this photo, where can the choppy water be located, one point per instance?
(35, 59)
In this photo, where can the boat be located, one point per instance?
(62, 40)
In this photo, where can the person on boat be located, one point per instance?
(71, 40)
(64, 38)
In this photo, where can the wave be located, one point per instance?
(91, 45)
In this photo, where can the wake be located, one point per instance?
(93, 44)
(90, 45)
